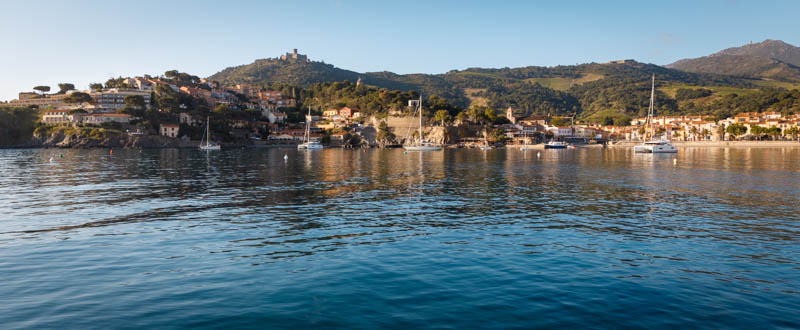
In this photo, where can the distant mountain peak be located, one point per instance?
(771, 59)
(774, 49)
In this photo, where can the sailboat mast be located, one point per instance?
(652, 100)
(307, 134)
(208, 130)
(420, 119)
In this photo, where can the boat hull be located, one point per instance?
(655, 149)
(423, 148)
(210, 148)
(555, 147)
(309, 147)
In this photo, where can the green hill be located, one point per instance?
(592, 91)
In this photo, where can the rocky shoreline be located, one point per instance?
(61, 140)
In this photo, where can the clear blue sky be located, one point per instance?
(47, 42)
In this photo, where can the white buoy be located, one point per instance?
(285, 157)
(538, 154)
(674, 161)
(51, 159)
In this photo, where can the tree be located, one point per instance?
(134, 106)
(78, 97)
(134, 101)
(774, 132)
(477, 114)
(95, 86)
(693, 131)
(704, 133)
(64, 87)
(490, 115)
(721, 131)
(442, 116)
(792, 131)
(385, 135)
(462, 116)
(622, 121)
(736, 130)
(42, 89)
(560, 122)
(757, 131)
(116, 83)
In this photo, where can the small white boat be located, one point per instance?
(655, 147)
(421, 144)
(207, 137)
(310, 145)
(555, 145)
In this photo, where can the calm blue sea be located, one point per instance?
(600, 238)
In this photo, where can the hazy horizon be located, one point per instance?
(90, 41)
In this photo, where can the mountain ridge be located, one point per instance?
(590, 90)
(769, 59)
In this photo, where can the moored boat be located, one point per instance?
(555, 145)
(308, 143)
(421, 144)
(209, 145)
(653, 146)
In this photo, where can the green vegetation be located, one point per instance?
(78, 97)
(92, 131)
(64, 87)
(690, 94)
(42, 89)
(736, 130)
(116, 83)
(601, 93)
(16, 125)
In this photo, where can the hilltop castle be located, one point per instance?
(294, 56)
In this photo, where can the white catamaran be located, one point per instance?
(421, 144)
(308, 144)
(653, 146)
(207, 139)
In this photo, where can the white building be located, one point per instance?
(170, 130)
(114, 98)
(54, 117)
(276, 117)
(99, 118)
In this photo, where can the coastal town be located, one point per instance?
(178, 106)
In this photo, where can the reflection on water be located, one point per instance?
(384, 238)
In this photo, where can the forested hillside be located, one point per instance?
(595, 92)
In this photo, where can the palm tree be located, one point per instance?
(693, 131)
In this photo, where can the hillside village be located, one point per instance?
(178, 106)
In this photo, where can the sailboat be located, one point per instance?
(308, 144)
(207, 137)
(485, 146)
(653, 146)
(421, 144)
